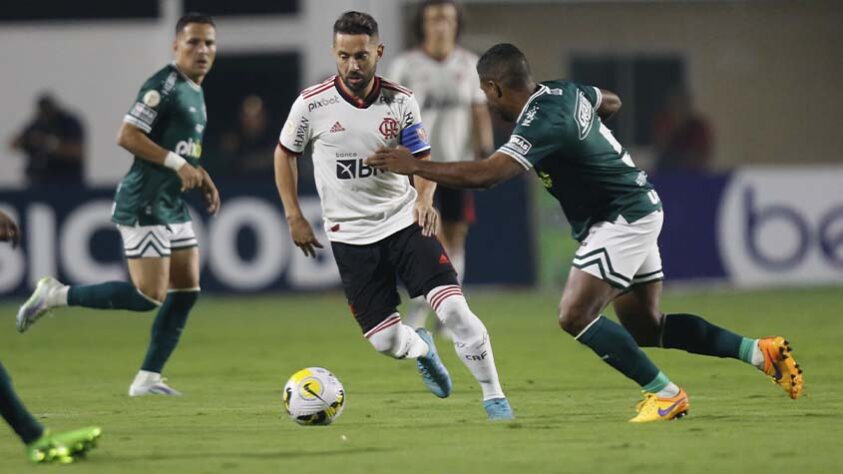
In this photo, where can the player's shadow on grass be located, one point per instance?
(252, 455)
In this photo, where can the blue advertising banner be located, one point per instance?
(245, 249)
(754, 227)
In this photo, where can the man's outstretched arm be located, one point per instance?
(466, 174)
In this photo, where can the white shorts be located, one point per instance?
(623, 254)
(156, 240)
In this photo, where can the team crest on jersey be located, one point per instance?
(585, 115)
(389, 128)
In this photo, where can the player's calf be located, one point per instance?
(472, 345)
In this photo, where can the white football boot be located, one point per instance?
(150, 383)
(42, 299)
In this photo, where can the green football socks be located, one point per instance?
(612, 343)
(15, 413)
(167, 328)
(696, 335)
(109, 295)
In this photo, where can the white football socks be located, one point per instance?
(57, 296)
(471, 340)
(757, 355)
(395, 339)
(669, 391)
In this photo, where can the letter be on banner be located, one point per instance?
(782, 226)
(786, 220)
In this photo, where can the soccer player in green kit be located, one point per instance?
(163, 130)
(615, 214)
(41, 445)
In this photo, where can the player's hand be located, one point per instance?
(210, 193)
(427, 217)
(397, 160)
(303, 235)
(9, 230)
(190, 177)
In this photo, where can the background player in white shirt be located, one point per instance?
(379, 225)
(443, 78)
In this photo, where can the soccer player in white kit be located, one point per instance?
(443, 78)
(378, 224)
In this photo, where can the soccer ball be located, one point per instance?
(314, 396)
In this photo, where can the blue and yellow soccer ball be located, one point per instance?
(314, 396)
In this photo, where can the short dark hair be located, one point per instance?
(506, 64)
(194, 17)
(418, 21)
(356, 23)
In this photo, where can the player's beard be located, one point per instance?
(361, 85)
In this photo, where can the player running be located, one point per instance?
(41, 445)
(443, 78)
(378, 225)
(163, 130)
(616, 216)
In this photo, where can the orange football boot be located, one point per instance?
(780, 365)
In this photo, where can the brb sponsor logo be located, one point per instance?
(783, 226)
(354, 168)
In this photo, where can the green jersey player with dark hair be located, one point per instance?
(163, 130)
(42, 446)
(615, 215)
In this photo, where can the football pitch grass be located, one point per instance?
(74, 369)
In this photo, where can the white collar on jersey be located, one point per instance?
(189, 80)
(542, 89)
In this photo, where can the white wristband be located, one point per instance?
(174, 161)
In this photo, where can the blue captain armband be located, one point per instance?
(414, 137)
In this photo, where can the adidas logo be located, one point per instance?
(337, 128)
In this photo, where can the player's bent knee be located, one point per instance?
(153, 298)
(386, 336)
(574, 320)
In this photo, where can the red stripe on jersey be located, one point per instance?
(317, 91)
(396, 87)
(388, 322)
(288, 151)
(308, 90)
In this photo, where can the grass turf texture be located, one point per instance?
(74, 370)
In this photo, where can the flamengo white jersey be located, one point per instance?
(360, 205)
(446, 90)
